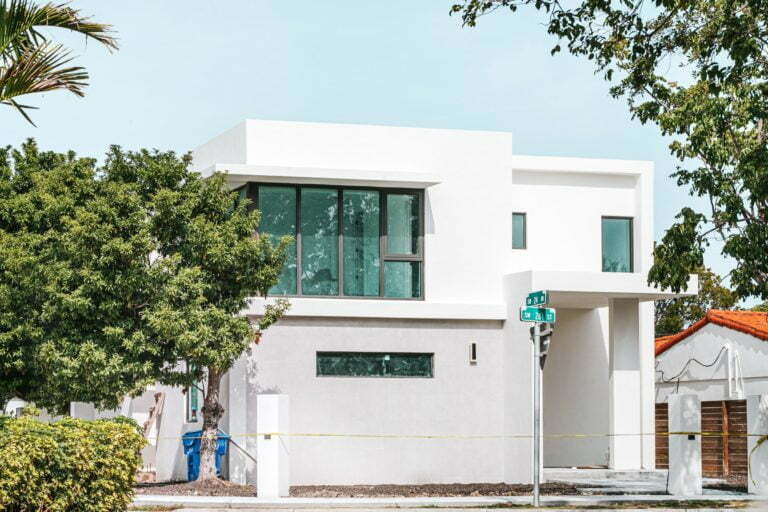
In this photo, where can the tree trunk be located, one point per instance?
(212, 411)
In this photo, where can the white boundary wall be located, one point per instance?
(757, 427)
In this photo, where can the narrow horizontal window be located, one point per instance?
(617, 244)
(374, 364)
(518, 231)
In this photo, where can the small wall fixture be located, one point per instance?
(473, 353)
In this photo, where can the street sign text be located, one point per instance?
(537, 298)
(537, 315)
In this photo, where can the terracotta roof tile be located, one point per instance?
(750, 322)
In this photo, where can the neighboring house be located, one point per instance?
(722, 358)
(415, 249)
(14, 407)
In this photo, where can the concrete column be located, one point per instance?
(684, 450)
(517, 382)
(647, 385)
(242, 469)
(757, 426)
(273, 475)
(625, 419)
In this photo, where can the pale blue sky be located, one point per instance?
(189, 69)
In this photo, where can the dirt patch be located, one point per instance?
(224, 488)
(428, 490)
(735, 487)
(632, 505)
(205, 488)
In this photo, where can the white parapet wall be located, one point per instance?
(757, 449)
(273, 449)
(684, 449)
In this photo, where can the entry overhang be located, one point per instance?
(373, 308)
(595, 289)
(238, 174)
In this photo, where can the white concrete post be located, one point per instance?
(625, 386)
(82, 410)
(242, 469)
(684, 450)
(273, 472)
(757, 425)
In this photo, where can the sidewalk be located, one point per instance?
(364, 504)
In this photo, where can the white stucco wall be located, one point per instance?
(171, 464)
(576, 389)
(564, 211)
(517, 384)
(712, 383)
(226, 147)
(461, 399)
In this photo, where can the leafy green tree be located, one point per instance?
(29, 62)
(674, 315)
(760, 308)
(117, 276)
(698, 69)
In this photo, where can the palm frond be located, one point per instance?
(22, 109)
(40, 69)
(20, 21)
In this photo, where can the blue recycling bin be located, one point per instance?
(191, 443)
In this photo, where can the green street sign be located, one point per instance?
(537, 315)
(537, 298)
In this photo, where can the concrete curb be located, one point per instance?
(445, 504)
(554, 509)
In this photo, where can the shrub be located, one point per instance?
(68, 465)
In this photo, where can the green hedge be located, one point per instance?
(68, 465)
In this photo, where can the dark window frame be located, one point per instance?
(631, 242)
(525, 231)
(253, 195)
(375, 353)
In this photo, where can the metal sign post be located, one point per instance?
(536, 414)
(543, 319)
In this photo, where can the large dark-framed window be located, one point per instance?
(617, 244)
(352, 242)
(375, 364)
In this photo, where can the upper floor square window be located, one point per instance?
(617, 244)
(349, 242)
(518, 230)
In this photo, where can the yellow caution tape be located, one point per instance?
(472, 436)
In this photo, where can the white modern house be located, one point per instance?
(722, 360)
(415, 249)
